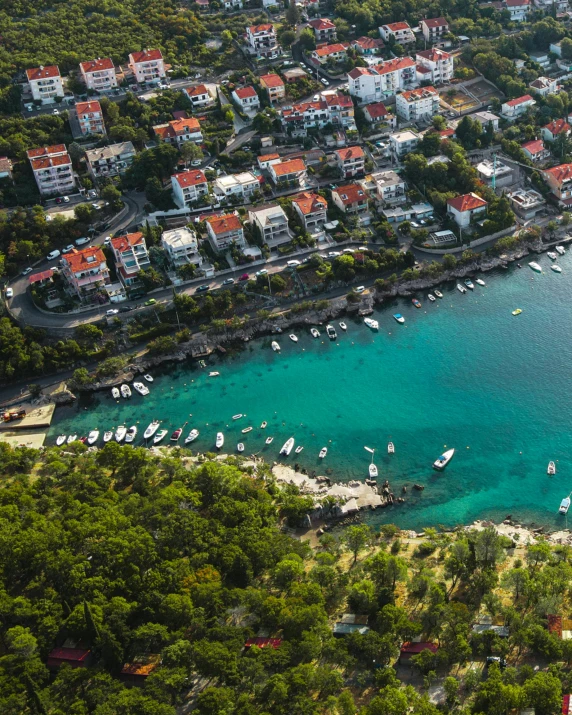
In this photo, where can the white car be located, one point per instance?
(55, 111)
(262, 272)
(9, 293)
(27, 270)
(112, 311)
(293, 264)
(325, 82)
(97, 207)
(68, 249)
(81, 241)
(334, 254)
(52, 255)
(196, 162)
(107, 240)
(66, 199)
(359, 289)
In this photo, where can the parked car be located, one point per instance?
(359, 289)
(55, 111)
(112, 311)
(334, 254)
(325, 82)
(66, 199)
(202, 289)
(92, 194)
(196, 162)
(261, 272)
(68, 249)
(293, 264)
(59, 200)
(27, 270)
(151, 301)
(97, 207)
(53, 254)
(82, 241)
(228, 282)
(9, 293)
(125, 309)
(107, 240)
(244, 277)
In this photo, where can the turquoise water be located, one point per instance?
(462, 372)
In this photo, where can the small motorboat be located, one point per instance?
(564, 505)
(71, 438)
(298, 449)
(431, 297)
(461, 288)
(469, 283)
(556, 268)
(219, 440)
(560, 249)
(120, 433)
(287, 447)
(372, 471)
(293, 338)
(214, 374)
(191, 437)
(264, 425)
(275, 346)
(269, 440)
(442, 461)
(371, 323)
(535, 267)
(60, 440)
(399, 318)
(148, 377)
(237, 417)
(93, 436)
(151, 429)
(314, 332)
(551, 468)
(390, 448)
(131, 434)
(438, 294)
(240, 447)
(125, 391)
(331, 331)
(553, 256)
(518, 311)
(107, 436)
(175, 437)
(246, 430)
(480, 281)
(323, 452)
(115, 393)
(160, 436)
(415, 302)
(83, 440)
(141, 388)
(343, 326)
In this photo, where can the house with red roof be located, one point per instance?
(246, 98)
(189, 187)
(544, 86)
(433, 29)
(74, 657)
(99, 75)
(379, 82)
(350, 161)
(45, 83)
(179, 131)
(52, 167)
(90, 117)
(397, 32)
(288, 173)
(514, 108)
(222, 231)
(330, 53)
(518, 9)
(85, 272)
(368, 45)
(435, 65)
(559, 179)
(199, 96)
(140, 668)
(463, 209)
(262, 42)
(377, 113)
(147, 65)
(352, 200)
(312, 210)
(535, 150)
(417, 104)
(324, 30)
(408, 650)
(274, 86)
(131, 257)
(555, 129)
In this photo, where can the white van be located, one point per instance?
(81, 241)
(52, 255)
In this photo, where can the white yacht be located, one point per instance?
(115, 393)
(480, 281)
(293, 338)
(120, 433)
(148, 377)
(438, 294)
(246, 430)
(442, 461)
(560, 249)
(461, 288)
(275, 346)
(264, 425)
(564, 505)
(556, 268)
(298, 449)
(287, 447)
(371, 323)
(131, 434)
(151, 429)
(343, 326)
(551, 468)
(240, 447)
(331, 331)
(373, 471)
(431, 297)
(219, 440)
(107, 436)
(390, 448)
(125, 391)
(191, 437)
(161, 434)
(237, 417)
(93, 436)
(314, 332)
(71, 438)
(141, 388)
(399, 318)
(61, 439)
(553, 256)
(269, 440)
(535, 266)
(323, 452)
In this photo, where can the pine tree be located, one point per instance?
(92, 628)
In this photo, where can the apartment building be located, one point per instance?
(378, 113)
(324, 30)
(147, 65)
(368, 46)
(433, 29)
(247, 99)
(502, 173)
(526, 203)
(417, 104)
(181, 246)
(341, 110)
(110, 160)
(236, 187)
(189, 187)
(398, 32)
(544, 86)
(45, 83)
(85, 272)
(352, 200)
(305, 115)
(435, 65)
(274, 87)
(515, 108)
(199, 96)
(331, 53)
(222, 231)
(374, 84)
(90, 118)
(262, 42)
(465, 208)
(131, 257)
(350, 161)
(99, 75)
(271, 223)
(550, 6)
(401, 143)
(179, 131)
(52, 169)
(486, 118)
(288, 173)
(559, 179)
(312, 210)
(389, 187)
(518, 9)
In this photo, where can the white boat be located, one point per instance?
(161, 434)
(331, 331)
(390, 448)
(461, 288)
(151, 429)
(71, 438)
(176, 436)
(131, 434)
(93, 436)
(287, 447)
(61, 439)
(399, 318)
(372, 471)
(125, 391)
(560, 249)
(219, 440)
(438, 294)
(141, 388)
(551, 468)
(556, 268)
(263, 425)
(564, 505)
(298, 449)
(371, 323)
(107, 436)
(442, 461)
(469, 283)
(480, 281)
(115, 393)
(275, 346)
(247, 429)
(214, 374)
(240, 447)
(237, 417)
(120, 433)
(535, 266)
(314, 332)
(293, 338)
(431, 297)
(191, 437)
(553, 256)
(148, 377)
(323, 452)
(343, 326)
(269, 440)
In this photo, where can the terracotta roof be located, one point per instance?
(395, 26)
(145, 56)
(197, 91)
(222, 224)
(46, 151)
(309, 203)
(190, 178)
(302, 107)
(466, 202)
(399, 63)
(331, 49)
(447, 133)
(377, 110)
(561, 173)
(45, 162)
(519, 100)
(340, 100)
(268, 157)
(534, 147)
(177, 127)
(421, 93)
(418, 647)
(350, 194)
(245, 92)
(359, 72)
(423, 70)
(435, 22)
(103, 63)
(322, 24)
(88, 107)
(39, 277)
(516, 3)
(352, 152)
(263, 642)
(542, 83)
(78, 261)
(558, 126)
(42, 72)
(122, 243)
(71, 655)
(369, 43)
(271, 80)
(142, 665)
(266, 27)
(290, 166)
(434, 55)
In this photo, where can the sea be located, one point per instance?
(461, 373)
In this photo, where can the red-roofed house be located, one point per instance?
(85, 271)
(140, 668)
(312, 210)
(189, 187)
(544, 86)
(262, 41)
(352, 200)
(52, 169)
(559, 178)
(324, 29)
(288, 173)
(535, 150)
(99, 75)
(5, 168)
(199, 96)
(417, 104)
(131, 256)
(179, 131)
(398, 32)
(515, 108)
(45, 83)
(518, 9)
(247, 99)
(222, 231)
(438, 62)
(434, 29)
(330, 53)
(261, 642)
(374, 84)
(90, 117)
(350, 161)
(147, 65)
(377, 112)
(554, 129)
(464, 208)
(274, 86)
(74, 657)
(408, 650)
(368, 45)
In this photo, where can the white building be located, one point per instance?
(110, 160)
(549, 6)
(464, 208)
(289, 173)
(90, 117)
(352, 200)
(433, 29)
(272, 224)
(438, 62)
(324, 30)
(99, 75)
(131, 257)
(189, 187)
(181, 246)
(350, 161)
(417, 104)
(312, 210)
(223, 231)
(147, 65)
(399, 32)
(486, 118)
(501, 172)
(85, 271)
(45, 83)
(239, 187)
(374, 84)
(247, 99)
(331, 53)
(262, 42)
(401, 143)
(515, 108)
(518, 9)
(199, 96)
(526, 203)
(544, 86)
(52, 169)
(179, 131)
(390, 187)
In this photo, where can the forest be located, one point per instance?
(124, 552)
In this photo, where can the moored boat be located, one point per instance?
(93, 436)
(535, 267)
(161, 434)
(215, 373)
(331, 331)
(438, 293)
(177, 434)
(371, 323)
(372, 471)
(518, 311)
(131, 434)
(553, 256)
(107, 436)
(237, 417)
(323, 452)
(263, 425)
(247, 429)
(314, 332)
(564, 505)
(461, 288)
(415, 302)
(391, 448)
(298, 449)
(560, 249)
(551, 468)
(269, 440)
(293, 338)
(469, 283)
(287, 447)
(399, 318)
(442, 461)
(556, 268)
(431, 297)
(125, 391)
(141, 388)
(61, 439)
(275, 346)
(148, 377)
(151, 429)
(191, 437)
(71, 438)
(480, 281)
(240, 447)
(219, 440)
(342, 325)
(115, 393)
(120, 433)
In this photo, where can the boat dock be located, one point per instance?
(30, 430)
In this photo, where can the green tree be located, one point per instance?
(357, 537)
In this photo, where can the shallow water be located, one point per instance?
(462, 372)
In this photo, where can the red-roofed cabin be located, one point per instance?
(140, 668)
(74, 657)
(408, 650)
(261, 642)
